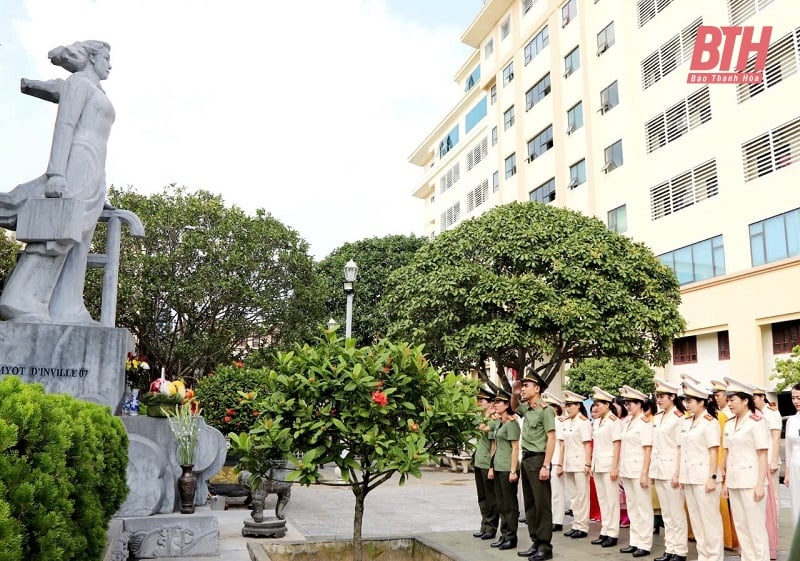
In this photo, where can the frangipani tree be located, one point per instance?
(374, 412)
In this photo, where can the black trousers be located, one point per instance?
(507, 505)
(487, 500)
(538, 502)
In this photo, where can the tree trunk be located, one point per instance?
(358, 546)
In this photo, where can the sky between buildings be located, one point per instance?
(306, 109)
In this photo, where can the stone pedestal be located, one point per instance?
(269, 528)
(87, 362)
(153, 466)
(172, 535)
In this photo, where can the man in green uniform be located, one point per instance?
(481, 461)
(538, 439)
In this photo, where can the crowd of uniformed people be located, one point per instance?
(701, 462)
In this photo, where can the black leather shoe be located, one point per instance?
(628, 549)
(676, 557)
(488, 535)
(508, 544)
(569, 533)
(641, 553)
(498, 543)
(599, 540)
(577, 534)
(541, 556)
(477, 534)
(665, 557)
(523, 520)
(609, 542)
(558, 527)
(528, 552)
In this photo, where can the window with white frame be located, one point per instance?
(495, 182)
(448, 142)
(572, 62)
(472, 79)
(609, 97)
(775, 238)
(569, 12)
(740, 10)
(670, 55)
(618, 219)
(575, 117)
(772, 150)
(488, 48)
(647, 9)
(577, 174)
(699, 261)
(511, 165)
(605, 39)
(508, 118)
(783, 60)
(536, 45)
(544, 193)
(540, 143)
(478, 153)
(493, 94)
(526, 6)
(450, 216)
(685, 189)
(505, 28)
(613, 156)
(449, 178)
(494, 136)
(684, 116)
(477, 196)
(508, 73)
(538, 92)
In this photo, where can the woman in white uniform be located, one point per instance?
(634, 468)
(746, 442)
(557, 483)
(667, 425)
(792, 476)
(698, 471)
(606, 440)
(576, 461)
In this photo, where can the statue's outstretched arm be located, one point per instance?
(48, 90)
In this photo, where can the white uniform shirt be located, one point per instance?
(666, 438)
(637, 434)
(696, 438)
(792, 443)
(606, 431)
(559, 439)
(775, 422)
(577, 431)
(742, 443)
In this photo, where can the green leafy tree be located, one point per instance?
(787, 371)
(227, 397)
(610, 374)
(377, 258)
(527, 284)
(207, 279)
(373, 411)
(9, 247)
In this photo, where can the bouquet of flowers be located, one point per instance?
(137, 372)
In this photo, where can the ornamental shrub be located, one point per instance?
(227, 397)
(62, 474)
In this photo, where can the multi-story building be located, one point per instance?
(585, 104)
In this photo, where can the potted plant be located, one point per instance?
(185, 426)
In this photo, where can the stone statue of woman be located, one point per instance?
(46, 286)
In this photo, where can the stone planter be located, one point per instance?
(389, 549)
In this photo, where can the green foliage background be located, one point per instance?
(376, 258)
(787, 371)
(532, 284)
(226, 390)
(610, 374)
(62, 474)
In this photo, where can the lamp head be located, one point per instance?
(350, 271)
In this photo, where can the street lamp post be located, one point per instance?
(349, 286)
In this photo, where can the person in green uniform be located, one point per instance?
(505, 470)
(481, 462)
(538, 440)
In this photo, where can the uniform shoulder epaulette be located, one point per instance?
(612, 417)
(773, 406)
(756, 417)
(709, 417)
(562, 418)
(646, 418)
(679, 413)
(581, 416)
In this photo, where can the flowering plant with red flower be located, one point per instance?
(380, 398)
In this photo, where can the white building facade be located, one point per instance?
(585, 104)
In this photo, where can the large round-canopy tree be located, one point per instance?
(534, 285)
(209, 281)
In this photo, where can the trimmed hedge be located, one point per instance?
(62, 474)
(227, 397)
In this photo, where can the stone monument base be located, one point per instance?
(84, 361)
(171, 535)
(269, 528)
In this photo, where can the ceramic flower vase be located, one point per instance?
(187, 485)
